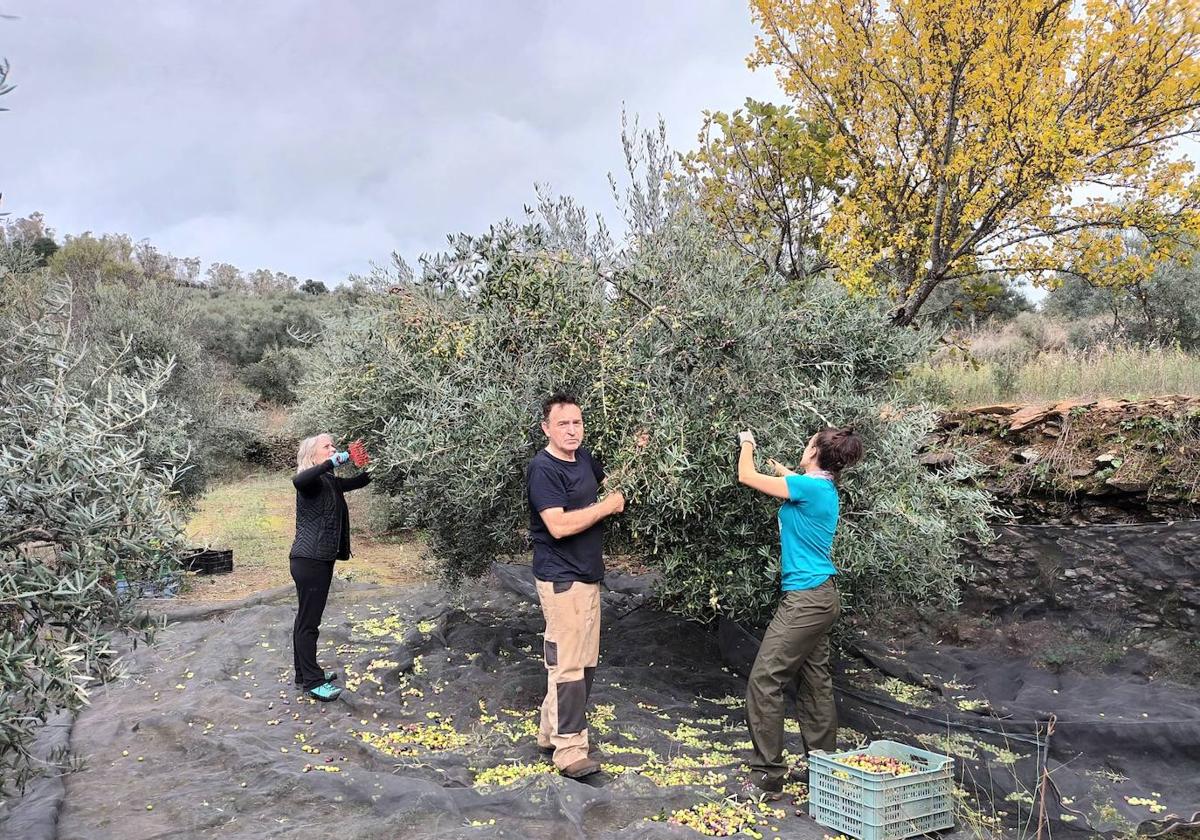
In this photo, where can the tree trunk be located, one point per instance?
(906, 314)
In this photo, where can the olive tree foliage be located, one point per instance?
(5, 87)
(202, 413)
(81, 506)
(673, 341)
(209, 416)
(125, 292)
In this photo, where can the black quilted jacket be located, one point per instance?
(322, 518)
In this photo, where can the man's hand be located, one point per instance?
(615, 502)
(746, 437)
(565, 523)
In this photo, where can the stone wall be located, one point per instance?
(1148, 573)
(1082, 462)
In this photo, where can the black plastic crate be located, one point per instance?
(209, 562)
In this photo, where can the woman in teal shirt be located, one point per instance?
(797, 640)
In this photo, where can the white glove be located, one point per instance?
(746, 437)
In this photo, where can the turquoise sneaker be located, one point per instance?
(326, 692)
(330, 676)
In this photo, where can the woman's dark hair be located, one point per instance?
(557, 398)
(838, 449)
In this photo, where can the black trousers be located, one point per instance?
(312, 579)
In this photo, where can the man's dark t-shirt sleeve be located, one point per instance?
(546, 488)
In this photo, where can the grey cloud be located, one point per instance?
(314, 138)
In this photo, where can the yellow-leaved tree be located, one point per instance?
(769, 178)
(983, 137)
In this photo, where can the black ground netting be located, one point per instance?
(209, 738)
(436, 737)
(1123, 751)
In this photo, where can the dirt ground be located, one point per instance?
(256, 517)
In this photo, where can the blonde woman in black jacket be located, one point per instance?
(322, 537)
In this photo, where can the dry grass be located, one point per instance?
(256, 517)
(1120, 372)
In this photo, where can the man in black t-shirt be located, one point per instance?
(566, 526)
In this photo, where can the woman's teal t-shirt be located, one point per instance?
(807, 522)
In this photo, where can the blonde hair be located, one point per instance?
(306, 454)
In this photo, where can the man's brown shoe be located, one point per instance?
(581, 768)
(593, 752)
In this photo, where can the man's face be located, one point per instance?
(564, 427)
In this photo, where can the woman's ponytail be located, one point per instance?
(838, 449)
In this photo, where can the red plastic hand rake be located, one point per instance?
(358, 454)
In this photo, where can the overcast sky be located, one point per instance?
(315, 138)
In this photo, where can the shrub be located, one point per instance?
(80, 506)
(259, 338)
(241, 328)
(210, 420)
(276, 375)
(1163, 310)
(676, 336)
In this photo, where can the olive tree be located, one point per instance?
(81, 510)
(673, 341)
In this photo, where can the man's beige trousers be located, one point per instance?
(572, 649)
